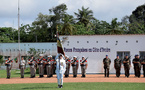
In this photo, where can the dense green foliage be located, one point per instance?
(75, 86)
(44, 28)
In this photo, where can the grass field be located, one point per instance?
(75, 86)
(15, 73)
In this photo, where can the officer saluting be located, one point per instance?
(143, 63)
(68, 63)
(22, 66)
(75, 65)
(48, 66)
(40, 64)
(84, 65)
(8, 63)
(33, 66)
(127, 64)
(137, 65)
(106, 62)
(60, 69)
(117, 66)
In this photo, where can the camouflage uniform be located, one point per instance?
(143, 63)
(68, 63)
(84, 65)
(117, 66)
(137, 66)
(107, 63)
(75, 65)
(8, 64)
(127, 64)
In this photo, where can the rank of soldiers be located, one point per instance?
(48, 64)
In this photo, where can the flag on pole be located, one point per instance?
(59, 45)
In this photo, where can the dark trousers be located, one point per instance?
(137, 70)
(106, 69)
(118, 71)
(144, 70)
(127, 68)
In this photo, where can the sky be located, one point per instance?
(29, 9)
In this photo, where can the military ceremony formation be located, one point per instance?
(49, 65)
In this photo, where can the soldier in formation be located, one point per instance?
(127, 64)
(84, 65)
(75, 65)
(117, 65)
(49, 66)
(68, 63)
(22, 66)
(106, 62)
(40, 63)
(143, 63)
(33, 65)
(137, 65)
(8, 64)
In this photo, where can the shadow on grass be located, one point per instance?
(39, 88)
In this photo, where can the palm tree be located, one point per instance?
(67, 26)
(115, 27)
(84, 16)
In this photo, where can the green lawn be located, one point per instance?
(75, 86)
(15, 73)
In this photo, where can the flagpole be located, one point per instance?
(19, 30)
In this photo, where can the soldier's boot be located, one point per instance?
(8, 77)
(22, 76)
(66, 76)
(105, 73)
(74, 76)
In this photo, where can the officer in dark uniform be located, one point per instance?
(75, 65)
(143, 63)
(117, 66)
(137, 65)
(84, 65)
(8, 64)
(106, 62)
(127, 64)
(33, 65)
(40, 64)
(68, 63)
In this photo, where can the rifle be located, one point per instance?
(85, 60)
(10, 61)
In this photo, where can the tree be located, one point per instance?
(115, 27)
(84, 16)
(67, 27)
(137, 20)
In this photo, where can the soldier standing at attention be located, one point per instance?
(32, 64)
(8, 64)
(68, 63)
(75, 65)
(127, 64)
(40, 64)
(117, 66)
(106, 62)
(143, 63)
(53, 66)
(48, 66)
(84, 65)
(137, 65)
(22, 66)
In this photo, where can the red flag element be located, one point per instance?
(59, 47)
